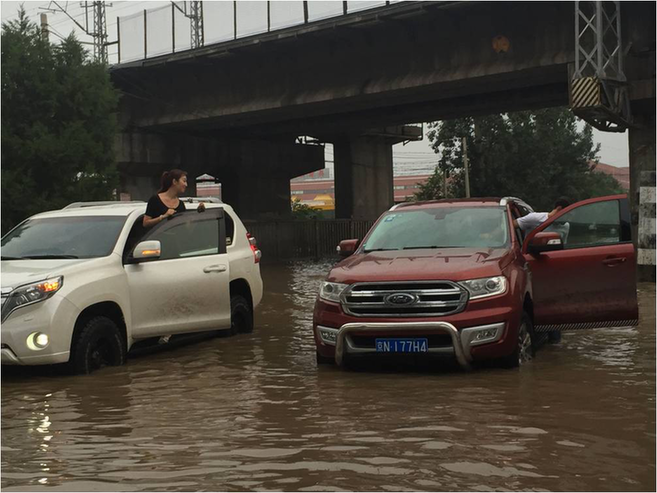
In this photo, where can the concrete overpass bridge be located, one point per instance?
(235, 109)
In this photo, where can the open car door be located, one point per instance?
(589, 280)
(186, 288)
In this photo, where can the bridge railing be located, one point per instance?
(168, 29)
(288, 239)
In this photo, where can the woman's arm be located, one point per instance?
(152, 221)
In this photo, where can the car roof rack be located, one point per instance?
(198, 200)
(77, 205)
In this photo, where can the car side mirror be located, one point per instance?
(145, 251)
(347, 247)
(545, 242)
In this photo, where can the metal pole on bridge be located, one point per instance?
(466, 165)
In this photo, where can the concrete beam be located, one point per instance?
(255, 175)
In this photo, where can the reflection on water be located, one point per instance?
(253, 412)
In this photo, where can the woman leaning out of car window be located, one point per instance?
(167, 201)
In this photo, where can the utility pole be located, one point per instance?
(196, 18)
(466, 166)
(99, 31)
(445, 180)
(44, 26)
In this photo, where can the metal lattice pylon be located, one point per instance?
(100, 32)
(598, 89)
(196, 17)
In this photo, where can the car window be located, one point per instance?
(589, 225)
(230, 229)
(136, 234)
(441, 227)
(64, 237)
(188, 239)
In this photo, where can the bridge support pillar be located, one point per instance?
(255, 175)
(642, 193)
(363, 177)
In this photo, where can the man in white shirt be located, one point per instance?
(535, 219)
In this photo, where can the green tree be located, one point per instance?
(536, 155)
(304, 211)
(58, 124)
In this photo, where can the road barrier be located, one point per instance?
(289, 239)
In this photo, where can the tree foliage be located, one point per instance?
(535, 155)
(304, 211)
(58, 124)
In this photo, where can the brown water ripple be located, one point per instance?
(253, 412)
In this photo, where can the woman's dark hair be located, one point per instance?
(169, 176)
(562, 202)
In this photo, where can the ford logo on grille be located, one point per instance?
(400, 299)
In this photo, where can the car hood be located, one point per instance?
(18, 272)
(456, 264)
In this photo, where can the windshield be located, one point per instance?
(441, 227)
(63, 237)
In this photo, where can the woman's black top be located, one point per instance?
(156, 207)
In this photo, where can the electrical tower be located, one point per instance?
(99, 30)
(598, 86)
(196, 18)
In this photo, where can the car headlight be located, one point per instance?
(30, 294)
(487, 286)
(331, 291)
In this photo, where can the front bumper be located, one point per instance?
(55, 317)
(462, 341)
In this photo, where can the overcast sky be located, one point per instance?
(218, 18)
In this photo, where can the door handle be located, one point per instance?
(214, 268)
(613, 261)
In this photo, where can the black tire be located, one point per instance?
(525, 349)
(98, 344)
(241, 315)
(324, 360)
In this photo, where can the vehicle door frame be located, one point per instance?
(174, 221)
(625, 237)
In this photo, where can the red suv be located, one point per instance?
(454, 277)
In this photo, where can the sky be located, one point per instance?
(218, 19)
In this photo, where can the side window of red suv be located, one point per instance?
(589, 225)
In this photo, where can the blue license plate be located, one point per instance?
(399, 345)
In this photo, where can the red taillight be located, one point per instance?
(257, 254)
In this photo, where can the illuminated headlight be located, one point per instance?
(331, 291)
(488, 286)
(37, 341)
(30, 294)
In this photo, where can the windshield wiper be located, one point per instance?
(419, 247)
(368, 250)
(4, 257)
(38, 257)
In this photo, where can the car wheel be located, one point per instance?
(241, 315)
(524, 351)
(324, 360)
(98, 344)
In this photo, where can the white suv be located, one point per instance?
(83, 284)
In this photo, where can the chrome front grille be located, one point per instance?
(404, 299)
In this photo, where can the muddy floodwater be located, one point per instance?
(254, 412)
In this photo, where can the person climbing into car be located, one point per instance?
(166, 202)
(533, 220)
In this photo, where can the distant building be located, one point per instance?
(317, 189)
